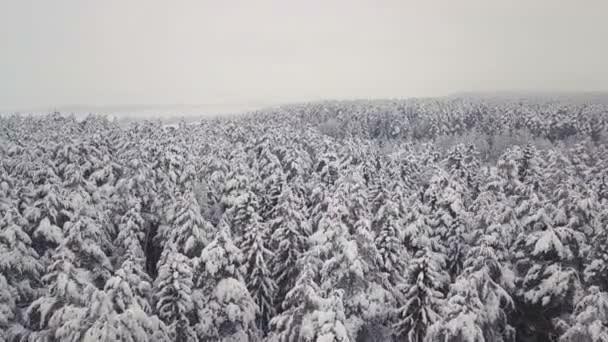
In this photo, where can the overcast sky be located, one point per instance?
(117, 52)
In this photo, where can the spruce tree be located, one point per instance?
(420, 297)
(257, 275)
(589, 318)
(290, 230)
(173, 296)
(229, 311)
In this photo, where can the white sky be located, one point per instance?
(116, 52)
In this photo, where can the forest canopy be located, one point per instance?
(407, 220)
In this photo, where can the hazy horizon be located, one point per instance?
(68, 53)
(153, 111)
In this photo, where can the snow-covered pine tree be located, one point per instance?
(585, 211)
(176, 165)
(131, 237)
(461, 163)
(258, 277)
(306, 315)
(290, 231)
(216, 167)
(351, 261)
(576, 212)
(235, 191)
(450, 220)
(229, 311)
(546, 279)
(115, 314)
(44, 214)
(8, 309)
(416, 230)
(327, 323)
(186, 229)
(302, 299)
(478, 304)
(328, 167)
(19, 262)
(130, 258)
(456, 243)
(507, 168)
(167, 166)
(494, 214)
(246, 209)
(139, 280)
(173, 295)
(420, 296)
(377, 194)
(462, 319)
(497, 283)
(136, 188)
(352, 191)
(297, 163)
(388, 226)
(62, 300)
(531, 167)
(273, 179)
(88, 240)
(371, 304)
(589, 318)
(441, 216)
(596, 271)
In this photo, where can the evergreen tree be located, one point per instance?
(495, 214)
(187, 229)
(352, 265)
(131, 237)
(63, 300)
(307, 316)
(235, 189)
(596, 272)
(173, 295)
(450, 221)
(245, 210)
(44, 213)
(421, 296)
(416, 231)
(8, 308)
(388, 223)
(258, 277)
(290, 230)
(546, 280)
(230, 311)
(19, 262)
(86, 238)
(327, 322)
(589, 318)
(273, 180)
(478, 305)
(114, 314)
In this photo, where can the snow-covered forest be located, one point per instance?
(455, 220)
